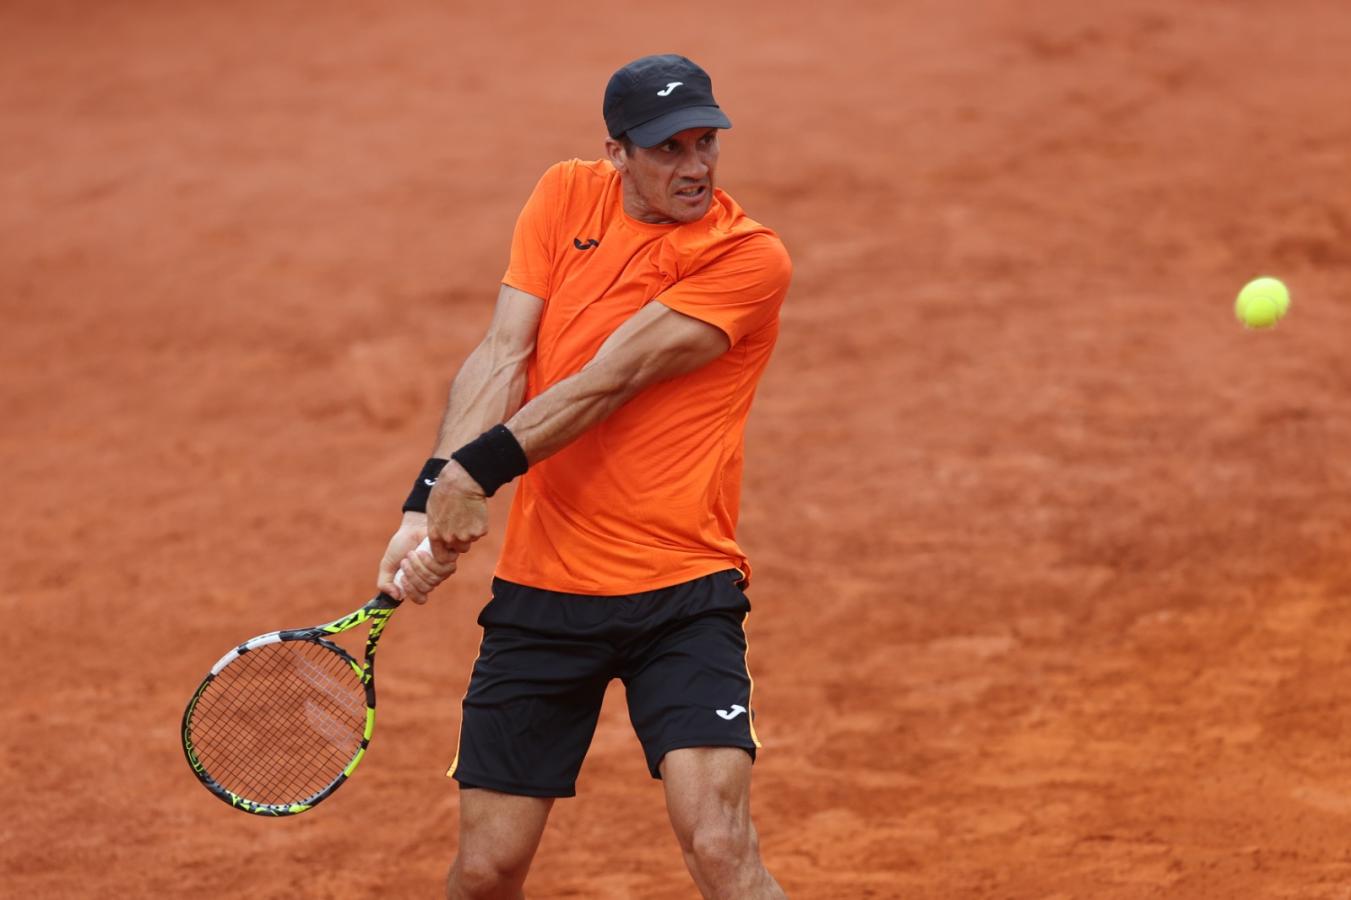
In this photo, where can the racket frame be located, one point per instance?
(377, 612)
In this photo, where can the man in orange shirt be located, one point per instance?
(638, 311)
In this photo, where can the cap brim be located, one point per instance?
(650, 134)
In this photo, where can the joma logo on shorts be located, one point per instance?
(729, 714)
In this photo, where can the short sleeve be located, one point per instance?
(532, 241)
(740, 292)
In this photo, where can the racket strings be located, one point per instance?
(281, 722)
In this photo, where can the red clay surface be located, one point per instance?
(1053, 558)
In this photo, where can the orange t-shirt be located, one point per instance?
(649, 497)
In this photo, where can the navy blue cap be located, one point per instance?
(652, 98)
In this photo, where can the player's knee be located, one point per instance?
(485, 876)
(721, 843)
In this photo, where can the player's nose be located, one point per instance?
(692, 166)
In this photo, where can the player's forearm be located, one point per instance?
(560, 415)
(657, 343)
(486, 391)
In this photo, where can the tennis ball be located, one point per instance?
(1262, 302)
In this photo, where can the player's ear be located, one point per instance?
(614, 151)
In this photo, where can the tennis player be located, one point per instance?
(636, 316)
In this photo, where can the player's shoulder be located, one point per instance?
(730, 223)
(572, 175)
(731, 236)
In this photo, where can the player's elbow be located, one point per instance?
(611, 384)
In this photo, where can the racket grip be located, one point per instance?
(425, 545)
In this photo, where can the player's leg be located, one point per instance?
(527, 721)
(689, 697)
(499, 834)
(708, 797)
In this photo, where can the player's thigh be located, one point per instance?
(529, 714)
(501, 831)
(690, 687)
(534, 696)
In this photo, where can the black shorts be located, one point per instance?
(546, 658)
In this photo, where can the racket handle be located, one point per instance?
(425, 545)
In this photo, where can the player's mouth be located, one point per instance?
(694, 194)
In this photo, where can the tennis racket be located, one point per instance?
(282, 720)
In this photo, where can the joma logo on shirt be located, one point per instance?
(590, 242)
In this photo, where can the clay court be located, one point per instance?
(1053, 558)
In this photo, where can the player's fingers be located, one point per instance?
(444, 554)
(452, 542)
(415, 585)
(435, 562)
(384, 578)
(403, 542)
(434, 574)
(422, 572)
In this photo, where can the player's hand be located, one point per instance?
(423, 569)
(420, 575)
(457, 511)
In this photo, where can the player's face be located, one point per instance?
(671, 182)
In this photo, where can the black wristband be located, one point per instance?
(492, 459)
(422, 488)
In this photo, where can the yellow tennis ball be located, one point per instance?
(1262, 302)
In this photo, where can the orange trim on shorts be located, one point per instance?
(459, 732)
(750, 698)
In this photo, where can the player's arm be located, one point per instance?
(487, 389)
(491, 381)
(656, 344)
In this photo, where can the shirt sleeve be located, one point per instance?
(740, 292)
(532, 241)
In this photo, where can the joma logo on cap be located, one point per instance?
(670, 87)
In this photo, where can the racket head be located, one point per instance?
(280, 722)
